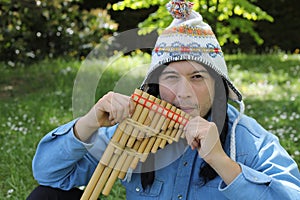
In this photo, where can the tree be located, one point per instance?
(34, 30)
(228, 18)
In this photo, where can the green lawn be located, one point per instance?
(37, 98)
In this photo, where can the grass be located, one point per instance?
(271, 87)
(37, 98)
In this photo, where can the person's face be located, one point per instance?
(188, 86)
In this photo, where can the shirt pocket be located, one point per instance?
(134, 189)
(214, 183)
(208, 191)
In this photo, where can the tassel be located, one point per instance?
(232, 138)
(128, 175)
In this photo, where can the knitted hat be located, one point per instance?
(189, 38)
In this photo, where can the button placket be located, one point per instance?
(183, 177)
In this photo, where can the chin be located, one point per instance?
(195, 113)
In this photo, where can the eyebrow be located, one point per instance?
(175, 72)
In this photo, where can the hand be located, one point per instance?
(112, 108)
(204, 136)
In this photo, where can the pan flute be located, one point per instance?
(153, 124)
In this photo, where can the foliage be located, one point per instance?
(33, 30)
(37, 98)
(228, 18)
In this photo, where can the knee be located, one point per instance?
(47, 193)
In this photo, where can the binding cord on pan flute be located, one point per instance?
(153, 124)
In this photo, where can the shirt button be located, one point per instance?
(179, 196)
(185, 163)
(137, 189)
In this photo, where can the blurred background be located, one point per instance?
(44, 44)
(32, 30)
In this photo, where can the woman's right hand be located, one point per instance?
(112, 108)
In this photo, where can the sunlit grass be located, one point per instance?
(271, 87)
(37, 98)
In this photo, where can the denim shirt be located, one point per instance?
(268, 172)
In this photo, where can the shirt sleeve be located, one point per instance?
(62, 161)
(273, 175)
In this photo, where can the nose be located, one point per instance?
(184, 89)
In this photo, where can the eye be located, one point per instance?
(197, 77)
(170, 77)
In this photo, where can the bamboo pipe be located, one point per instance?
(158, 140)
(155, 117)
(100, 167)
(122, 158)
(114, 175)
(122, 142)
(163, 122)
(171, 132)
(108, 153)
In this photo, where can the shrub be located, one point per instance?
(34, 30)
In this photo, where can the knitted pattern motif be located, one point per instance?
(177, 49)
(188, 30)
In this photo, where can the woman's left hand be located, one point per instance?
(204, 136)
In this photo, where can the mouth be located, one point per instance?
(187, 109)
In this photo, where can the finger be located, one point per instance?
(121, 114)
(127, 108)
(131, 107)
(105, 103)
(122, 108)
(111, 117)
(195, 145)
(195, 122)
(189, 138)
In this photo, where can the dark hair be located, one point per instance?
(218, 114)
(220, 118)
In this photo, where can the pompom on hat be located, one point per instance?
(188, 37)
(180, 9)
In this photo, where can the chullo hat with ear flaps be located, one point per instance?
(189, 38)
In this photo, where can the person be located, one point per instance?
(226, 154)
